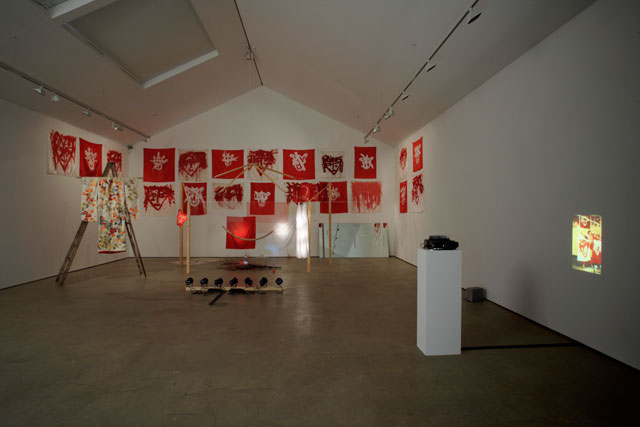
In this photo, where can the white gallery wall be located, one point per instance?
(41, 212)
(259, 119)
(555, 133)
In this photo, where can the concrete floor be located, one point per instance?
(337, 348)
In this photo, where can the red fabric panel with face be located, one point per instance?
(195, 194)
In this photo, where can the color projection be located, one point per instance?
(586, 246)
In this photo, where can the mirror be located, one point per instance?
(353, 240)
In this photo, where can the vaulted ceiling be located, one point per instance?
(151, 64)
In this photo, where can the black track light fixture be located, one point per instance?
(218, 282)
(189, 282)
(233, 282)
(204, 282)
(263, 282)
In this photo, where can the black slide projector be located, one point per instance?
(440, 243)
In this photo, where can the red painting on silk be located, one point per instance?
(403, 197)
(262, 159)
(243, 228)
(225, 164)
(299, 164)
(90, 158)
(62, 155)
(417, 155)
(115, 157)
(159, 199)
(159, 165)
(263, 198)
(339, 197)
(300, 192)
(365, 163)
(366, 196)
(417, 193)
(192, 165)
(228, 197)
(195, 194)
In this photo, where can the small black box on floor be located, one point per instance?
(474, 294)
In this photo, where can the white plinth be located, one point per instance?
(439, 301)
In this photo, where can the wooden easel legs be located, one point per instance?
(71, 254)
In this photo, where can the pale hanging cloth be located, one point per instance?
(302, 231)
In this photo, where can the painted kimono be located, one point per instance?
(105, 200)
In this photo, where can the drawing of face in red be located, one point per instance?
(63, 148)
(115, 157)
(230, 197)
(417, 189)
(158, 196)
(403, 158)
(262, 159)
(191, 164)
(332, 164)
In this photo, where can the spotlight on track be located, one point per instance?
(431, 66)
(204, 282)
(279, 281)
(248, 282)
(189, 281)
(40, 91)
(263, 282)
(404, 96)
(389, 113)
(218, 282)
(233, 282)
(376, 128)
(55, 98)
(87, 113)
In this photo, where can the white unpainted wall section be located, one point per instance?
(41, 212)
(555, 133)
(259, 119)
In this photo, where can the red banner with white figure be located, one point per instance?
(90, 158)
(159, 165)
(365, 163)
(195, 194)
(263, 198)
(227, 164)
(299, 164)
(241, 228)
(403, 197)
(417, 155)
(338, 194)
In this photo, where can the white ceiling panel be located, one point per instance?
(346, 59)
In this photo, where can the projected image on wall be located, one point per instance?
(586, 246)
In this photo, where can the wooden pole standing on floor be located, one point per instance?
(309, 237)
(188, 236)
(322, 226)
(181, 230)
(330, 241)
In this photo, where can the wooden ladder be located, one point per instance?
(71, 254)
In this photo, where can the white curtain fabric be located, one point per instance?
(302, 231)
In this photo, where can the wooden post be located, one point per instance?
(188, 236)
(322, 226)
(181, 230)
(330, 241)
(309, 237)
